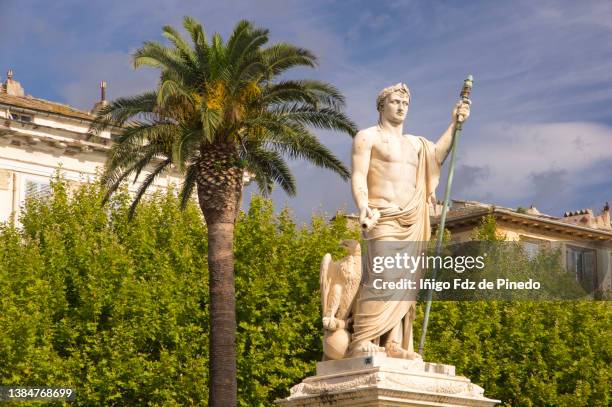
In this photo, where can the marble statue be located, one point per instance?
(394, 177)
(339, 284)
(368, 353)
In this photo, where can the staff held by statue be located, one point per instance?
(465, 97)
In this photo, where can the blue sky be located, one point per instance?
(541, 126)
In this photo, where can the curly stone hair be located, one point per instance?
(399, 88)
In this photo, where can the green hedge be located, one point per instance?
(118, 311)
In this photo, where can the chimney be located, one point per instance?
(605, 216)
(103, 91)
(11, 86)
(103, 102)
(533, 210)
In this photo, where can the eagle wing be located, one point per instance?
(351, 270)
(324, 281)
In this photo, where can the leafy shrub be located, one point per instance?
(118, 311)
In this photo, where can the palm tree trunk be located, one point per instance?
(222, 348)
(219, 193)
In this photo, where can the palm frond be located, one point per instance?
(111, 181)
(136, 133)
(298, 143)
(113, 176)
(200, 43)
(246, 43)
(293, 139)
(189, 182)
(159, 56)
(171, 89)
(239, 36)
(268, 166)
(314, 93)
(217, 55)
(121, 110)
(251, 69)
(135, 160)
(265, 184)
(282, 56)
(148, 181)
(326, 94)
(185, 146)
(326, 118)
(155, 151)
(211, 121)
(181, 45)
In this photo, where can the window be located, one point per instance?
(21, 117)
(581, 262)
(532, 247)
(36, 188)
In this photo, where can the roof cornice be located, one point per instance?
(525, 220)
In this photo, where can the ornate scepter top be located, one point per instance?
(465, 96)
(467, 88)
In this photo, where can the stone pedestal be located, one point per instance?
(382, 381)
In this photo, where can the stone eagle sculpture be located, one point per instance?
(340, 282)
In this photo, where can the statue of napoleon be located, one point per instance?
(394, 178)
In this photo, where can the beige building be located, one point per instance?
(38, 137)
(585, 239)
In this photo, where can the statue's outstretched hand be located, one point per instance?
(461, 111)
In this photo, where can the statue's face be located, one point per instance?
(395, 107)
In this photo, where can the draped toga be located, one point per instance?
(398, 230)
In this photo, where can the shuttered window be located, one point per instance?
(37, 189)
(582, 263)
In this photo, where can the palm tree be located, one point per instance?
(219, 111)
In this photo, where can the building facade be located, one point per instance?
(584, 239)
(38, 138)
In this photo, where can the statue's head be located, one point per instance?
(392, 102)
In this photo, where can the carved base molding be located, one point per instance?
(383, 381)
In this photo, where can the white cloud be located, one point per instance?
(521, 158)
(545, 65)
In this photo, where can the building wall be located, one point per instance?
(604, 269)
(32, 153)
(7, 186)
(27, 168)
(513, 232)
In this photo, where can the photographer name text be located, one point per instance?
(456, 284)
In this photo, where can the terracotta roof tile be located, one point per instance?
(42, 105)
